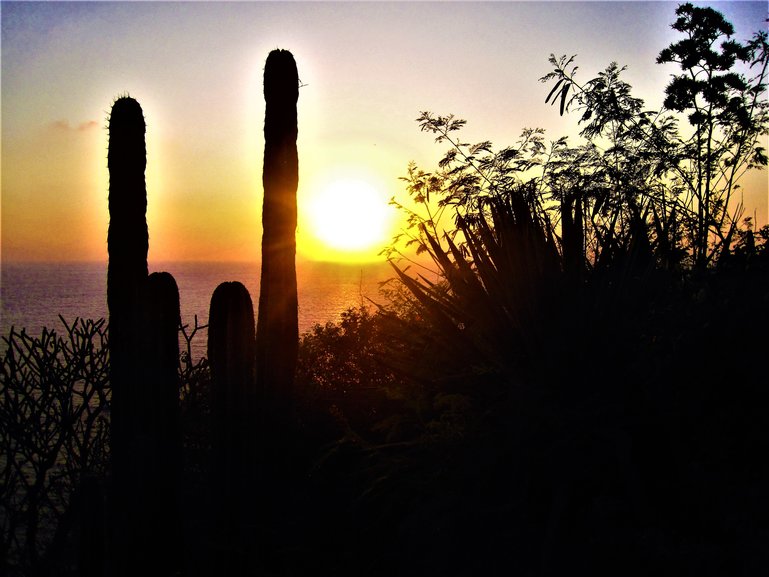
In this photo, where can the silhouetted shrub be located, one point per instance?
(54, 434)
(55, 414)
(344, 384)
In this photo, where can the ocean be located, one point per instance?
(33, 295)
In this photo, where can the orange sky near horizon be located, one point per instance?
(367, 70)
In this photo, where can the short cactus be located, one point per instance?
(161, 382)
(231, 354)
(159, 443)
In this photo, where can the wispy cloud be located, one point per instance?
(65, 126)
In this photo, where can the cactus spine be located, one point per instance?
(277, 334)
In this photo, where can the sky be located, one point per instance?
(367, 70)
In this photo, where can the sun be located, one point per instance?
(349, 218)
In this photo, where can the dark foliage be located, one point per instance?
(344, 384)
(54, 433)
(689, 176)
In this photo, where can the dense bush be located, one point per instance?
(573, 339)
(344, 384)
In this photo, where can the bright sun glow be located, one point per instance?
(350, 217)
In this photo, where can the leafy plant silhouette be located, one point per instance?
(687, 181)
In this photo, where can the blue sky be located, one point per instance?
(368, 68)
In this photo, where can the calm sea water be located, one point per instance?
(34, 294)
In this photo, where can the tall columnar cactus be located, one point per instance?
(277, 335)
(127, 244)
(231, 354)
(144, 319)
